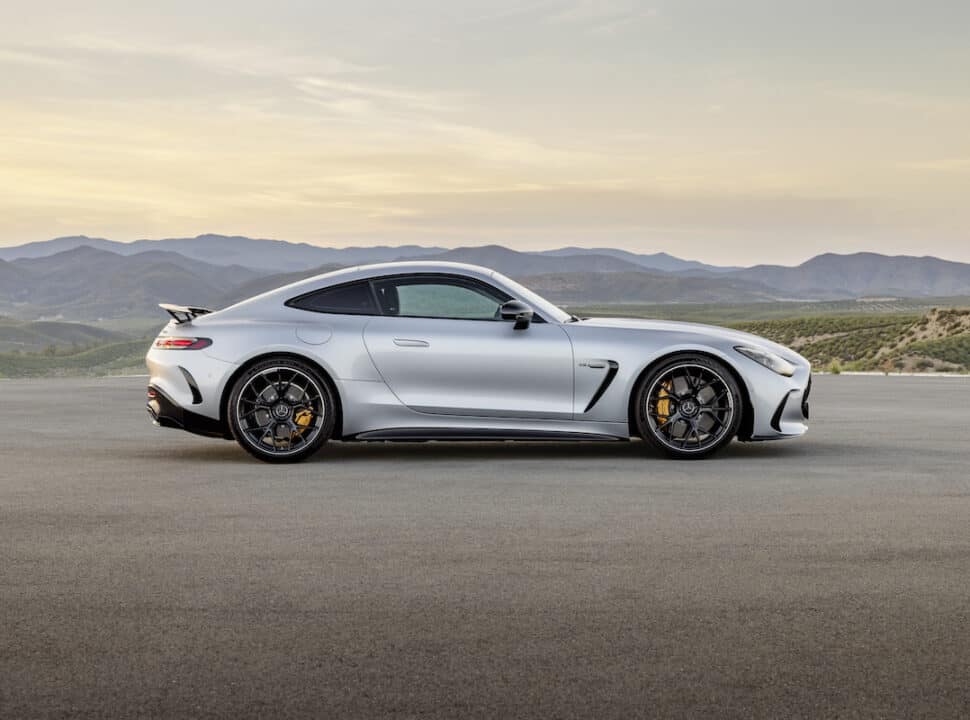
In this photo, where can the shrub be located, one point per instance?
(954, 349)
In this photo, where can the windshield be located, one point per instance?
(539, 304)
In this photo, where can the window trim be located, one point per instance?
(291, 303)
(456, 281)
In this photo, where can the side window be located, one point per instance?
(446, 298)
(352, 299)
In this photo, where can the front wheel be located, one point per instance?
(281, 410)
(688, 407)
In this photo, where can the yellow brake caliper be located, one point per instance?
(302, 419)
(663, 403)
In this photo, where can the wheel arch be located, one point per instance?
(747, 408)
(324, 374)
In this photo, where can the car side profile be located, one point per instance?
(447, 351)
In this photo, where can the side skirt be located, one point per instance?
(477, 434)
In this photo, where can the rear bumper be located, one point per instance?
(192, 380)
(167, 413)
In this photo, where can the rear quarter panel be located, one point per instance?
(334, 342)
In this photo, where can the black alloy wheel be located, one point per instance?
(281, 410)
(689, 407)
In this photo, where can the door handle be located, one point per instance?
(406, 342)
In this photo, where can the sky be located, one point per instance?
(730, 132)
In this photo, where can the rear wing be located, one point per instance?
(183, 314)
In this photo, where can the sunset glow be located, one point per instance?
(718, 131)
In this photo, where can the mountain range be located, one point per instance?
(282, 256)
(80, 278)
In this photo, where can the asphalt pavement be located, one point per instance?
(146, 572)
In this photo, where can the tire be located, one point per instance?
(688, 407)
(281, 410)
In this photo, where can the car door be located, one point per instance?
(441, 347)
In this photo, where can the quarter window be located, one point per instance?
(351, 299)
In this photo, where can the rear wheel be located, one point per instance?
(688, 407)
(281, 410)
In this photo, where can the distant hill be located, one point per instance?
(653, 261)
(270, 256)
(266, 256)
(518, 264)
(259, 285)
(832, 276)
(277, 255)
(15, 282)
(89, 284)
(643, 287)
(44, 248)
(93, 278)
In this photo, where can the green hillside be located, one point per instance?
(104, 359)
(41, 334)
(848, 339)
(954, 349)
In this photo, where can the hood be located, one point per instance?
(737, 337)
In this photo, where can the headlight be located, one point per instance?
(771, 361)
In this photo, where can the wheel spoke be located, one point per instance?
(258, 432)
(692, 381)
(691, 429)
(252, 412)
(714, 417)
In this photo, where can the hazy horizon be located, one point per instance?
(733, 134)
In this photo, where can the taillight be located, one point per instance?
(182, 343)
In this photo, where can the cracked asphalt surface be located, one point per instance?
(150, 573)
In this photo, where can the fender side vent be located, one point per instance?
(610, 375)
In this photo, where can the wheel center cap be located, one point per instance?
(689, 407)
(281, 411)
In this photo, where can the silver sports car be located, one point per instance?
(444, 351)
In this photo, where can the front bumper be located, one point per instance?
(790, 416)
(167, 413)
(792, 412)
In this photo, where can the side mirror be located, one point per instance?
(519, 312)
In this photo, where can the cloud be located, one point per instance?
(250, 60)
(335, 89)
(32, 56)
(943, 165)
(601, 16)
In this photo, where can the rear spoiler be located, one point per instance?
(183, 314)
